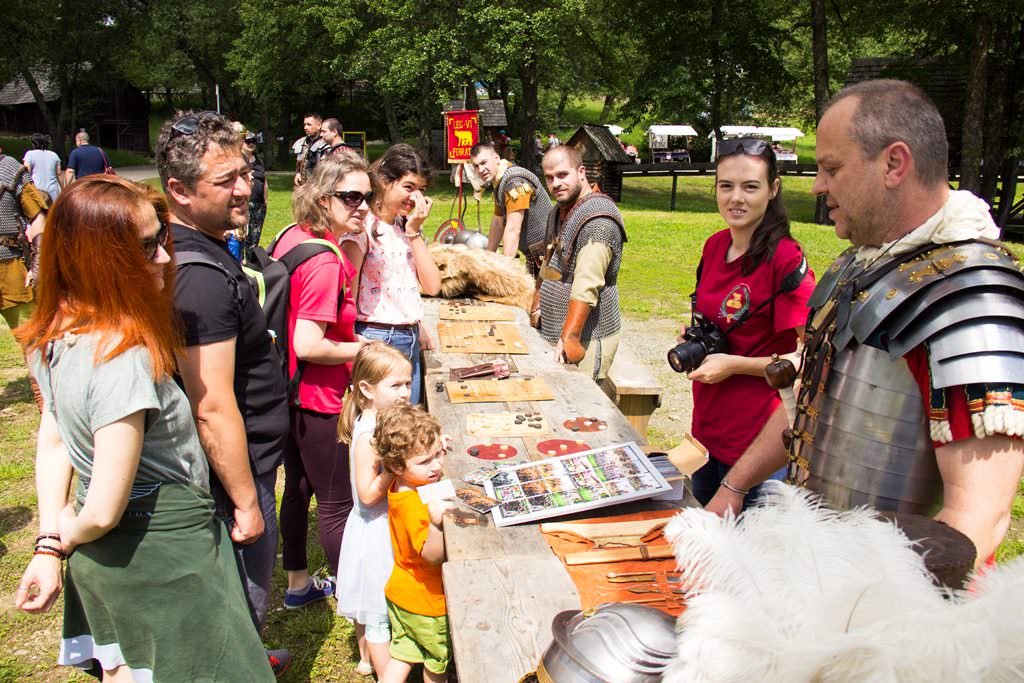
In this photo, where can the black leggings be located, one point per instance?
(314, 464)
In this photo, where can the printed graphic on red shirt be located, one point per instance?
(736, 303)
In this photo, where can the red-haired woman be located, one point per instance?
(152, 588)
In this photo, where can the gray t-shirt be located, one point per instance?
(84, 397)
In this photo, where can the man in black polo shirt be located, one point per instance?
(229, 366)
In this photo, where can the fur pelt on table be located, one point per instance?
(797, 593)
(483, 275)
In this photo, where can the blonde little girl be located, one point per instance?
(381, 377)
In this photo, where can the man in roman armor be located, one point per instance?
(521, 206)
(911, 394)
(579, 296)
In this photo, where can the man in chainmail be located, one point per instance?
(579, 296)
(521, 206)
(22, 212)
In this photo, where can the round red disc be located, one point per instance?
(554, 447)
(492, 451)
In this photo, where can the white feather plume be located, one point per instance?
(795, 592)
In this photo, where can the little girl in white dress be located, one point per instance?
(381, 376)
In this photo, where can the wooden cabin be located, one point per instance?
(603, 157)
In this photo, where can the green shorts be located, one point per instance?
(416, 638)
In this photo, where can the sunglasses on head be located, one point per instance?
(151, 244)
(188, 125)
(752, 146)
(352, 199)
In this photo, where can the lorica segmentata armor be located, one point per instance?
(861, 434)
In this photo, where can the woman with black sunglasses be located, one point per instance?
(332, 203)
(152, 590)
(736, 415)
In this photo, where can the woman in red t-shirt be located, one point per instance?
(736, 415)
(321, 319)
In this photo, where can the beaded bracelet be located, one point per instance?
(52, 552)
(414, 235)
(56, 548)
(729, 487)
(40, 537)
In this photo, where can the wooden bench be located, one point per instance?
(633, 388)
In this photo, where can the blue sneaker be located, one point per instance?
(317, 589)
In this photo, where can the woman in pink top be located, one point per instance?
(321, 315)
(392, 260)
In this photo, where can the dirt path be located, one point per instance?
(650, 340)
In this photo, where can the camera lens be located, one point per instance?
(686, 356)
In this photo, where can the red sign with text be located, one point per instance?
(463, 131)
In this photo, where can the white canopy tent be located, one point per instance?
(658, 141)
(775, 134)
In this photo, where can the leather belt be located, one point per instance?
(389, 326)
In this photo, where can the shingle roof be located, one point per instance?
(605, 142)
(17, 91)
(492, 116)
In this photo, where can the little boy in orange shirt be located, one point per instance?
(409, 444)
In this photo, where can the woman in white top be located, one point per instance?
(392, 259)
(44, 166)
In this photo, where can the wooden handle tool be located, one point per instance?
(642, 552)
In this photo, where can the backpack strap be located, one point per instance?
(292, 259)
(188, 258)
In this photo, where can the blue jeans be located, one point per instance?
(406, 340)
(255, 560)
(707, 480)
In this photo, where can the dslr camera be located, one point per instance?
(700, 340)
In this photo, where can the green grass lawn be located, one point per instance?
(657, 275)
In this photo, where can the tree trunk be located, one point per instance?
(56, 134)
(974, 108)
(995, 138)
(527, 151)
(394, 132)
(472, 101)
(563, 102)
(606, 110)
(819, 49)
(503, 94)
(425, 119)
(284, 145)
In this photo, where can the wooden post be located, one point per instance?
(675, 178)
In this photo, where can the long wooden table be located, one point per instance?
(504, 586)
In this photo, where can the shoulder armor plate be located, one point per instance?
(830, 278)
(923, 283)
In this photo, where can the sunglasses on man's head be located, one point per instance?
(151, 244)
(352, 199)
(752, 146)
(188, 125)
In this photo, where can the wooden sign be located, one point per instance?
(499, 390)
(480, 337)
